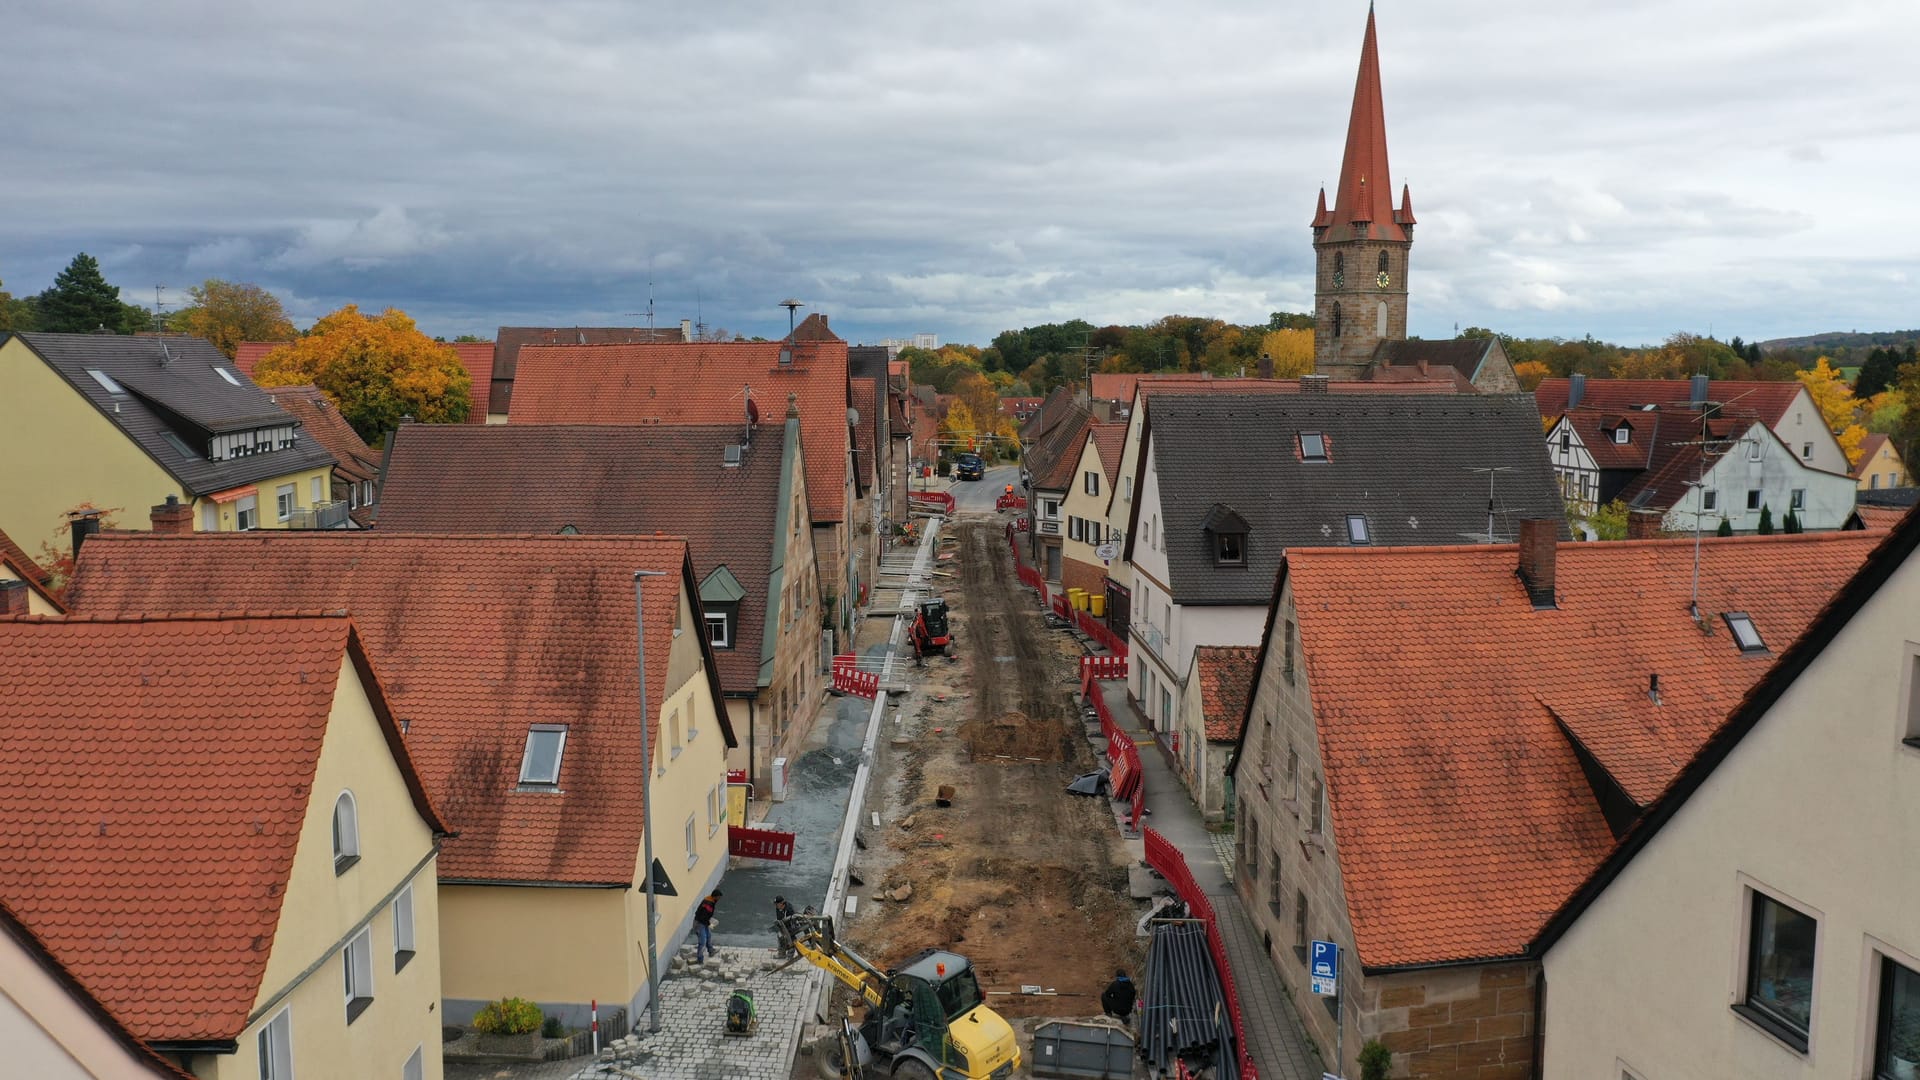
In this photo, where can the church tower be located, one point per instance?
(1361, 245)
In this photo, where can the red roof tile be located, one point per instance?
(1226, 680)
(145, 838)
(320, 418)
(247, 355)
(1110, 440)
(22, 563)
(699, 383)
(475, 637)
(1461, 815)
(1767, 400)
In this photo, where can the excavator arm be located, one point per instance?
(813, 939)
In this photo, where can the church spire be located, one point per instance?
(1364, 196)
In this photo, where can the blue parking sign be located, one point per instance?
(1324, 968)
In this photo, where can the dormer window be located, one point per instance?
(1357, 531)
(1230, 549)
(1740, 624)
(540, 764)
(1313, 446)
(719, 629)
(1622, 435)
(1227, 534)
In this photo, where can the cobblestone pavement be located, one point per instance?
(691, 1043)
(1223, 847)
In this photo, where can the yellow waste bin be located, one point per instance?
(1097, 605)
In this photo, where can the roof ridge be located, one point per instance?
(271, 615)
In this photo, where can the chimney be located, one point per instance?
(1576, 389)
(1314, 384)
(82, 525)
(1422, 362)
(173, 517)
(13, 597)
(1643, 525)
(1265, 369)
(1697, 391)
(686, 330)
(1539, 550)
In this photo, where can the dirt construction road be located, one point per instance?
(1025, 880)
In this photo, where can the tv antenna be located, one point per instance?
(1491, 471)
(159, 328)
(699, 318)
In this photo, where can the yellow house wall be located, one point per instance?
(49, 1034)
(565, 948)
(1886, 467)
(305, 971)
(267, 507)
(96, 463)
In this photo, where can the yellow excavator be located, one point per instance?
(925, 1021)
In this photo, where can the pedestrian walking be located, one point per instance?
(1117, 999)
(703, 927)
(782, 911)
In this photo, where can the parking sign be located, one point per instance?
(1325, 968)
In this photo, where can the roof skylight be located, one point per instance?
(1313, 446)
(1357, 531)
(227, 375)
(540, 765)
(1745, 635)
(106, 382)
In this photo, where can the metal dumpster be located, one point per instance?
(1082, 1051)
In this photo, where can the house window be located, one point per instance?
(1911, 721)
(1276, 893)
(227, 375)
(1753, 498)
(1798, 500)
(1566, 442)
(1316, 818)
(403, 928)
(1754, 449)
(366, 493)
(1126, 487)
(1806, 451)
(346, 833)
(716, 801)
(1230, 548)
(1709, 499)
(1744, 634)
(1313, 446)
(246, 513)
(1622, 435)
(357, 959)
(1873, 481)
(276, 1047)
(1252, 850)
(1293, 772)
(1300, 938)
(1779, 984)
(693, 855)
(415, 1068)
(1287, 650)
(540, 763)
(1897, 1038)
(717, 635)
(1049, 509)
(1092, 480)
(673, 728)
(283, 500)
(315, 491)
(1357, 529)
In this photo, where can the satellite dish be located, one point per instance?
(853, 416)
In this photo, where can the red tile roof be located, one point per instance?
(1110, 440)
(475, 637)
(1869, 446)
(1364, 195)
(1226, 681)
(1767, 400)
(475, 356)
(699, 383)
(145, 838)
(1461, 815)
(321, 419)
(22, 563)
(247, 355)
(1683, 448)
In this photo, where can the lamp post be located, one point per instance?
(646, 793)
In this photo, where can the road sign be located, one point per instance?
(1325, 969)
(1107, 551)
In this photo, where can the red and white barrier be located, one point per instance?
(1103, 667)
(853, 681)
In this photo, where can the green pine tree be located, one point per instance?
(1725, 529)
(1792, 523)
(1766, 521)
(80, 301)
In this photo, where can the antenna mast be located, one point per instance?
(1490, 471)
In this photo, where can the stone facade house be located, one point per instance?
(1443, 743)
(1210, 723)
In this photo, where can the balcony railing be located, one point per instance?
(327, 515)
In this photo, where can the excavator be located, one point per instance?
(925, 1021)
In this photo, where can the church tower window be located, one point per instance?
(1336, 318)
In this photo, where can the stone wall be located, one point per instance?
(1465, 1023)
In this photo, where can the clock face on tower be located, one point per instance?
(1382, 279)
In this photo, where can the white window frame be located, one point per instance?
(559, 756)
(315, 490)
(693, 854)
(1091, 481)
(1797, 500)
(1907, 708)
(1754, 449)
(1127, 488)
(718, 620)
(246, 513)
(286, 498)
(346, 832)
(274, 1046)
(1746, 636)
(1622, 435)
(716, 801)
(356, 961)
(403, 939)
(416, 1066)
(1709, 499)
(1806, 451)
(1319, 450)
(1359, 532)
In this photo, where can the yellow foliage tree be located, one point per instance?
(227, 313)
(958, 427)
(1530, 372)
(1834, 398)
(376, 368)
(1292, 352)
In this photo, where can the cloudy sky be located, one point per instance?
(1624, 168)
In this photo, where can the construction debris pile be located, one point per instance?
(1183, 1015)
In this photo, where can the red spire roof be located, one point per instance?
(1365, 192)
(1321, 218)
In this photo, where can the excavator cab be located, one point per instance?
(934, 613)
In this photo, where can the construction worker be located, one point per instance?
(782, 911)
(922, 639)
(1117, 999)
(703, 928)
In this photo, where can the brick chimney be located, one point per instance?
(1265, 369)
(1539, 551)
(1314, 384)
(173, 517)
(13, 597)
(1643, 525)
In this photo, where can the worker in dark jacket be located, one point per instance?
(1117, 999)
(782, 911)
(703, 927)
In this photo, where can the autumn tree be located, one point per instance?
(80, 301)
(227, 313)
(377, 368)
(1291, 350)
(1530, 373)
(14, 314)
(1834, 398)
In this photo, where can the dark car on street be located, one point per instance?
(969, 467)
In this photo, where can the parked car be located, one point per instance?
(970, 467)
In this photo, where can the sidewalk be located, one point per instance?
(1274, 1036)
